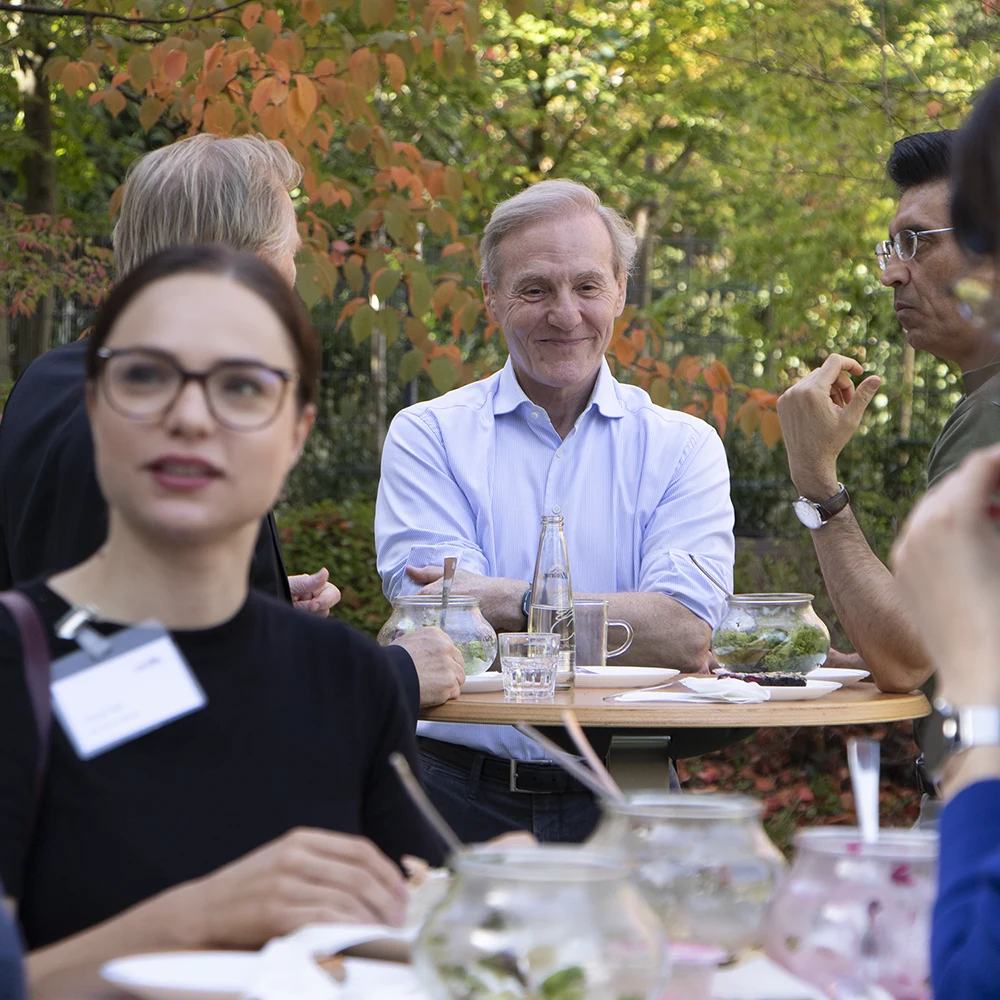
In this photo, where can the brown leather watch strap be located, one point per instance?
(835, 504)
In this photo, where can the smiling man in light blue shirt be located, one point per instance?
(471, 474)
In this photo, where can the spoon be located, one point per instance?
(449, 574)
(863, 760)
(579, 737)
(423, 803)
(710, 575)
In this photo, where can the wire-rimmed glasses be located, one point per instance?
(143, 384)
(904, 244)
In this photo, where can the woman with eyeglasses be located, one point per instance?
(248, 790)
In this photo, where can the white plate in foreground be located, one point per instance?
(225, 975)
(846, 676)
(623, 677)
(492, 680)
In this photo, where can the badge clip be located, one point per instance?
(74, 628)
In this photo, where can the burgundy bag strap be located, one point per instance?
(35, 647)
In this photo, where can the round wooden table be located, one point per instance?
(860, 704)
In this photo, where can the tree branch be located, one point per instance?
(93, 15)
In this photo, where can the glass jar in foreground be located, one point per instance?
(852, 916)
(542, 923)
(703, 862)
(771, 633)
(463, 621)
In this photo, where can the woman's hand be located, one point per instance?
(947, 564)
(306, 876)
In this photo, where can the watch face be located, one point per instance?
(807, 513)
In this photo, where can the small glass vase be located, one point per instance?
(703, 862)
(853, 918)
(770, 633)
(547, 921)
(464, 622)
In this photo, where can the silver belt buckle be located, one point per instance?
(512, 784)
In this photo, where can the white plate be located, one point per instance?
(845, 675)
(812, 690)
(225, 975)
(623, 677)
(492, 680)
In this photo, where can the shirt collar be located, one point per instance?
(510, 396)
(978, 377)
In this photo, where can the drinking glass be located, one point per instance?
(853, 918)
(529, 661)
(592, 624)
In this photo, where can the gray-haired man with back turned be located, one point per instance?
(203, 189)
(471, 474)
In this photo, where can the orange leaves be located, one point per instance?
(150, 111)
(220, 117)
(114, 100)
(364, 68)
(757, 412)
(251, 15)
(174, 65)
(396, 70)
(625, 352)
(311, 12)
(77, 76)
(301, 103)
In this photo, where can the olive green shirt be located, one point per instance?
(975, 423)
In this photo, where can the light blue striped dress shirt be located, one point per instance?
(471, 474)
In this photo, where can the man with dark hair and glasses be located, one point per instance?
(921, 263)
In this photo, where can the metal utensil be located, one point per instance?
(569, 763)
(710, 575)
(449, 574)
(423, 803)
(863, 760)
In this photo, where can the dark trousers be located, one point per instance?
(479, 809)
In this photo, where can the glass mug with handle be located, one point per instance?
(591, 619)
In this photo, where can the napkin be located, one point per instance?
(705, 689)
(287, 969)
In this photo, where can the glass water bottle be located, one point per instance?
(552, 598)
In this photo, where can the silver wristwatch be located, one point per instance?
(950, 730)
(814, 515)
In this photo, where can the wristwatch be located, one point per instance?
(526, 604)
(950, 730)
(814, 515)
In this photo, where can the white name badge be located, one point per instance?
(141, 683)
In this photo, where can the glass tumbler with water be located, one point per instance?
(529, 661)
(552, 598)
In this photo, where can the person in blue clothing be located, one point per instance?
(947, 563)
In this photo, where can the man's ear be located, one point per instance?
(489, 300)
(622, 289)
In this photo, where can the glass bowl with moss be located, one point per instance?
(771, 633)
(463, 621)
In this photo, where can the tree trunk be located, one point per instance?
(39, 171)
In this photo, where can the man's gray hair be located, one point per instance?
(555, 199)
(207, 189)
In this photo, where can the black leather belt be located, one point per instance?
(532, 777)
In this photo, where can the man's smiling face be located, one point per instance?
(556, 298)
